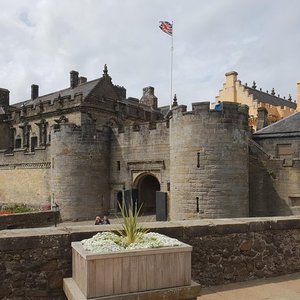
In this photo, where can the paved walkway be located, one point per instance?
(285, 287)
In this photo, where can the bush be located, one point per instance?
(16, 208)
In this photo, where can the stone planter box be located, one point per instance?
(99, 275)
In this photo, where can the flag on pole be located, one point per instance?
(166, 27)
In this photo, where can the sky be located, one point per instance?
(41, 41)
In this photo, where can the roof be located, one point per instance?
(84, 88)
(288, 125)
(263, 97)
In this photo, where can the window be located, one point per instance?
(118, 165)
(284, 151)
(18, 143)
(33, 143)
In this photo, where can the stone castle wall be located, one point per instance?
(33, 262)
(274, 182)
(139, 149)
(24, 177)
(209, 162)
(80, 171)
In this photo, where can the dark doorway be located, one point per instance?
(147, 187)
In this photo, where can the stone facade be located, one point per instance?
(275, 169)
(33, 262)
(89, 146)
(277, 107)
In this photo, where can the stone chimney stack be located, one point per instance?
(74, 79)
(4, 97)
(262, 118)
(34, 91)
(149, 98)
(298, 92)
(82, 80)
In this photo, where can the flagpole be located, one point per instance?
(172, 50)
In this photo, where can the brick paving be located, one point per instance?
(286, 287)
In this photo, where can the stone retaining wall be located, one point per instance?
(34, 261)
(28, 220)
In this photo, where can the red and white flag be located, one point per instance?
(166, 27)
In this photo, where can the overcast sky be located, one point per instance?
(41, 41)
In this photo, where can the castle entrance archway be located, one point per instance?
(147, 185)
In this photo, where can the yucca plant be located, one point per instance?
(131, 231)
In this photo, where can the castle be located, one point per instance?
(90, 146)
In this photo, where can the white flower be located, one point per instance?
(110, 242)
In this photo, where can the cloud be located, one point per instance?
(41, 41)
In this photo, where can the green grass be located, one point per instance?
(16, 208)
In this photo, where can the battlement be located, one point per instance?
(48, 106)
(230, 112)
(87, 133)
(144, 127)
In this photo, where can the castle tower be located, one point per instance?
(209, 162)
(79, 171)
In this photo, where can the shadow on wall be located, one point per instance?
(264, 200)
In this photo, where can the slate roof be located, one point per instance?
(263, 97)
(288, 125)
(84, 88)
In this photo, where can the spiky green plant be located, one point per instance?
(131, 230)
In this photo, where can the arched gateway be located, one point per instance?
(147, 185)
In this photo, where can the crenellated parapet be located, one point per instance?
(47, 107)
(230, 113)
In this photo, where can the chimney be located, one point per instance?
(4, 97)
(262, 118)
(34, 91)
(149, 98)
(82, 80)
(74, 79)
(298, 92)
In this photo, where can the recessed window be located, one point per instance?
(18, 143)
(118, 165)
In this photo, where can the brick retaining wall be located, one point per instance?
(34, 261)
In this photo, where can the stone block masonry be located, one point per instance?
(209, 162)
(33, 262)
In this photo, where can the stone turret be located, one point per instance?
(209, 162)
(79, 171)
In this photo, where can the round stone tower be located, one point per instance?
(209, 162)
(79, 171)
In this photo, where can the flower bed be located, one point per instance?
(109, 242)
(3, 212)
